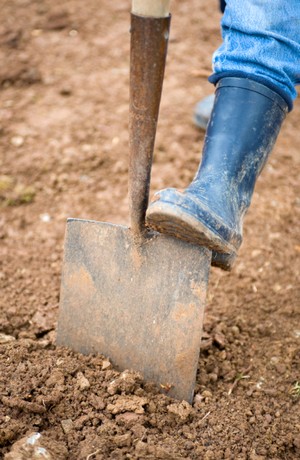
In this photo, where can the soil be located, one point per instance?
(64, 144)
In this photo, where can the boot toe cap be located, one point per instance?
(183, 215)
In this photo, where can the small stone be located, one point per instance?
(223, 355)
(128, 404)
(43, 343)
(97, 402)
(26, 335)
(198, 398)
(189, 445)
(67, 425)
(4, 338)
(129, 418)
(123, 440)
(280, 368)
(206, 343)
(113, 387)
(183, 410)
(56, 378)
(139, 431)
(207, 394)
(106, 365)
(17, 141)
(265, 330)
(213, 377)
(127, 382)
(268, 418)
(151, 407)
(220, 340)
(45, 217)
(235, 331)
(82, 381)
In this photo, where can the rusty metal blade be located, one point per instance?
(142, 306)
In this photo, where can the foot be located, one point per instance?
(186, 216)
(177, 214)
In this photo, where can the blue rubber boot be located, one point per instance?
(242, 130)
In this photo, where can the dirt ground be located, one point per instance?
(64, 152)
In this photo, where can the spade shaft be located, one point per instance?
(149, 42)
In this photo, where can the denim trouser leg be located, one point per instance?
(261, 41)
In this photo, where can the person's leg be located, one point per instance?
(255, 70)
(204, 107)
(261, 41)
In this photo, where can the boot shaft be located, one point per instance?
(242, 131)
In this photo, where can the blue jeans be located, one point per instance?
(261, 41)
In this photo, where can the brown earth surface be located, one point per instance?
(64, 145)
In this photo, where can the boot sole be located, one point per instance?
(223, 261)
(172, 220)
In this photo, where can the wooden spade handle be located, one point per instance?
(153, 8)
